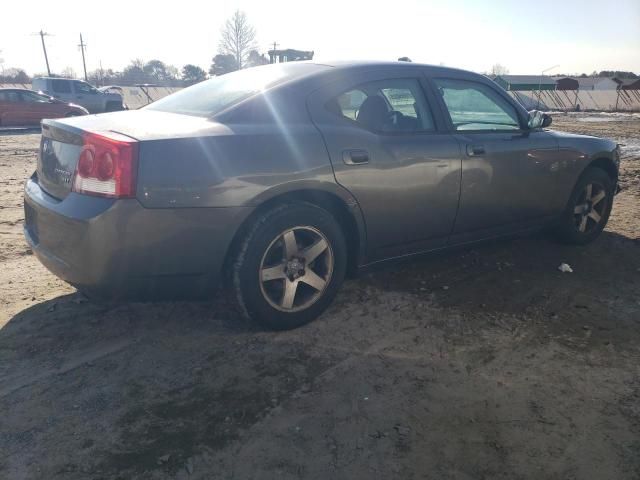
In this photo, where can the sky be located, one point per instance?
(525, 36)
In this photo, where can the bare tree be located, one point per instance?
(238, 38)
(68, 72)
(498, 69)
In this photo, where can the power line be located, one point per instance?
(84, 63)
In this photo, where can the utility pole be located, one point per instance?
(44, 49)
(84, 63)
(272, 58)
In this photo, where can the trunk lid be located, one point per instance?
(57, 159)
(143, 124)
(62, 140)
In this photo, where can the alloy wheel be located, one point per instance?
(296, 269)
(590, 207)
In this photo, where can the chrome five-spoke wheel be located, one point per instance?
(296, 268)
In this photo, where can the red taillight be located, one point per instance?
(107, 166)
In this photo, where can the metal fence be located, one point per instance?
(565, 100)
(572, 100)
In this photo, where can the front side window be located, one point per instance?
(385, 106)
(61, 86)
(30, 97)
(84, 88)
(474, 106)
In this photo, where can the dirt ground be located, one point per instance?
(483, 364)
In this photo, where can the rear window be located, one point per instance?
(213, 96)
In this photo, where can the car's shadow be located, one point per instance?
(127, 384)
(6, 131)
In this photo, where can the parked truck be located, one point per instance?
(78, 92)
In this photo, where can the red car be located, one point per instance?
(23, 107)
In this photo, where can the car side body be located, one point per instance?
(201, 182)
(19, 107)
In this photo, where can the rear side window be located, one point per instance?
(61, 86)
(9, 97)
(385, 106)
(474, 106)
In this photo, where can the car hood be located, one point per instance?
(113, 96)
(576, 136)
(147, 124)
(75, 105)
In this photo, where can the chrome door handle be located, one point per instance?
(355, 157)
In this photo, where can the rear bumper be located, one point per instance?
(119, 249)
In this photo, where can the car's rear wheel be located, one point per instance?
(289, 266)
(588, 209)
(72, 114)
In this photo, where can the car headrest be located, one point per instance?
(373, 112)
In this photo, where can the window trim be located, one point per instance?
(447, 115)
(418, 81)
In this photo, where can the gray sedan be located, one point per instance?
(278, 181)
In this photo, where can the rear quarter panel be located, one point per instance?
(262, 148)
(239, 168)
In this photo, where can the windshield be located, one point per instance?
(212, 96)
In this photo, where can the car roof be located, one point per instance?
(368, 64)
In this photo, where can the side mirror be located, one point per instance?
(537, 119)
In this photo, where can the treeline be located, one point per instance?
(137, 72)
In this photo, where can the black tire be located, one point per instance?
(257, 298)
(577, 225)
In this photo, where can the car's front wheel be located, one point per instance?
(289, 266)
(588, 209)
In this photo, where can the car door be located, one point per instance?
(10, 113)
(388, 149)
(61, 89)
(509, 172)
(87, 96)
(36, 107)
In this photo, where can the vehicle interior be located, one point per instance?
(388, 107)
